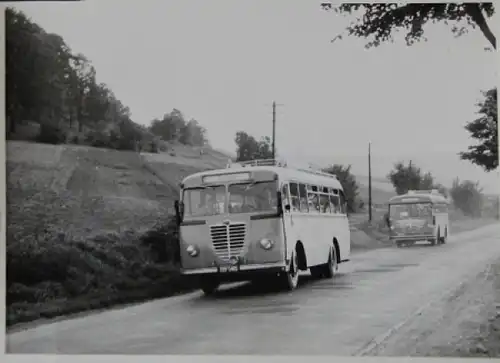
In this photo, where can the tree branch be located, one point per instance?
(477, 16)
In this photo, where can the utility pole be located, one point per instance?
(274, 130)
(369, 183)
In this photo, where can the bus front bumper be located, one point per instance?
(416, 237)
(238, 269)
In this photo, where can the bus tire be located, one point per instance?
(291, 277)
(209, 285)
(445, 237)
(331, 266)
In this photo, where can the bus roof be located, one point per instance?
(420, 197)
(268, 172)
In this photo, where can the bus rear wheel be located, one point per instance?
(331, 266)
(445, 237)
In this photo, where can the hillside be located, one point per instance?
(88, 190)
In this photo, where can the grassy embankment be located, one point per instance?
(86, 226)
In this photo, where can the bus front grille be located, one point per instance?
(228, 241)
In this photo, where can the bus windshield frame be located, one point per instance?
(231, 199)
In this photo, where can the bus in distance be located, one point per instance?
(261, 219)
(420, 215)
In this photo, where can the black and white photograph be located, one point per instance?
(252, 177)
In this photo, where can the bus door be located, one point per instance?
(291, 221)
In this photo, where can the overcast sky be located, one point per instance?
(223, 62)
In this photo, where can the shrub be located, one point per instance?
(163, 242)
(50, 134)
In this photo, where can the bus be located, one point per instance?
(419, 215)
(261, 219)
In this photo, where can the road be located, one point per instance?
(378, 290)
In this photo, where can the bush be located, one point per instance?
(52, 274)
(467, 196)
(50, 134)
(163, 242)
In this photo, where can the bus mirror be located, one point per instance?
(287, 207)
(178, 212)
(280, 203)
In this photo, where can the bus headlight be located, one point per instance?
(192, 251)
(266, 243)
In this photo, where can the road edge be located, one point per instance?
(375, 343)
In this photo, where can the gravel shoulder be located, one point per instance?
(464, 324)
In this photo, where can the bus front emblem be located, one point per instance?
(226, 222)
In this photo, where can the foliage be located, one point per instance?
(485, 130)
(411, 177)
(349, 184)
(173, 127)
(381, 20)
(49, 84)
(467, 196)
(248, 148)
(52, 273)
(163, 242)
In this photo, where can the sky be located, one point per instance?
(224, 62)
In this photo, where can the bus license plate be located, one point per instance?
(230, 268)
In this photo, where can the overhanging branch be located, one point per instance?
(477, 16)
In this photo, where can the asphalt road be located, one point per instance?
(376, 291)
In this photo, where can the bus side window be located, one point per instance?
(343, 202)
(334, 201)
(313, 197)
(324, 201)
(304, 206)
(295, 197)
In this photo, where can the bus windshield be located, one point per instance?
(243, 198)
(204, 201)
(253, 197)
(405, 211)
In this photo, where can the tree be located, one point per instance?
(410, 177)
(248, 148)
(485, 130)
(349, 184)
(467, 196)
(381, 20)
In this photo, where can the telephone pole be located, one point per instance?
(369, 182)
(274, 130)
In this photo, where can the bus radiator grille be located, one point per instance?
(228, 241)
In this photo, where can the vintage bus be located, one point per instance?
(261, 219)
(419, 215)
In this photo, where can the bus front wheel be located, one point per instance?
(291, 277)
